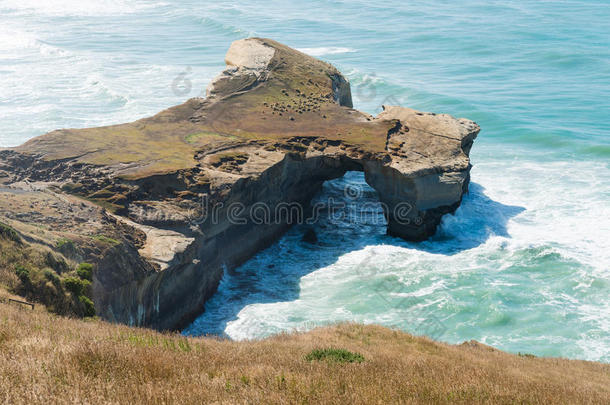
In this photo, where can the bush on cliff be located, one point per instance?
(23, 274)
(53, 277)
(85, 271)
(43, 286)
(67, 248)
(39, 275)
(89, 308)
(81, 292)
(58, 264)
(74, 285)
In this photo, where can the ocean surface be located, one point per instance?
(523, 265)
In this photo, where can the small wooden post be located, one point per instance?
(21, 302)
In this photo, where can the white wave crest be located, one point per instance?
(76, 7)
(330, 50)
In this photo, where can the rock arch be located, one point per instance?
(275, 125)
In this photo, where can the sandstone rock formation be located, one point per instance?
(201, 187)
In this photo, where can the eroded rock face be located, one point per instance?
(213, 181)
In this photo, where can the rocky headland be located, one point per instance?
(164, 205)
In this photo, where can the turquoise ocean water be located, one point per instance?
(523, 265)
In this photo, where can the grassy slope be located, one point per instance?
(51, 359)
(45, 277)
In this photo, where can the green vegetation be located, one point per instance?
(58, 264)
(52, 277)
(64, 243)
(41, 276)
(106, 239)
(74, 285)
(335, 355)
(161, 341)
(85, 271)
(67, 248)
(197, 137)
(89, 308)
(9, 233)
(81, 291)
(23, 274)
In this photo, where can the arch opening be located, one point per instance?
(275, 275)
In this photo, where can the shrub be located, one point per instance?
(9, 233)
(86, 288)
(88, 305)
(85, 271)
(64, 243)
(59, 265)
(336, 355)
(67, 248)
(74, 285)
(52, 277)
(23, 274)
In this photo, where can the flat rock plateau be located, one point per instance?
(164, 205)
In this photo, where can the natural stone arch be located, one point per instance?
(275, 125)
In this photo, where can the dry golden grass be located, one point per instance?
(51, 359)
